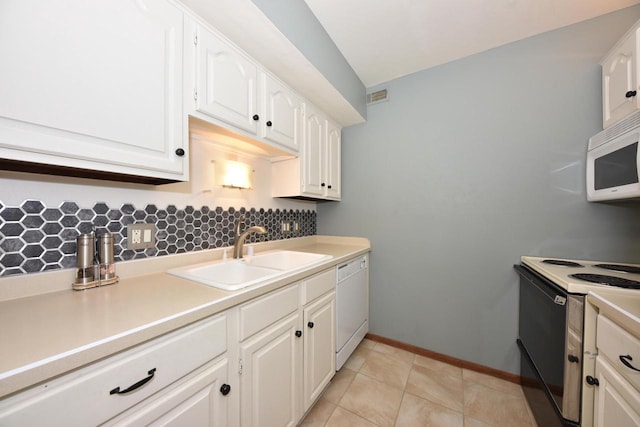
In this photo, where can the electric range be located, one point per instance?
(556, 337)
(580, 276)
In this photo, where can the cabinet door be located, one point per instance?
(93, 85)
(333, 161)
(319, 347)
(226, 82)
(617, 403)
(200, 400)
(619, 78)
(313, 154)
(281, 121)
(270, 379)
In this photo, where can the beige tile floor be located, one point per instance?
(384, 386)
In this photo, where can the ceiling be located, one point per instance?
(386, 39)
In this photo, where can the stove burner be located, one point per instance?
(607, 280)
(618, 267)
(562, 263)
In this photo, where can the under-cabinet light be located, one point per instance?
(233, 174)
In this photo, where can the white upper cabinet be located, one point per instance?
(281, 120)
(231, 90)
(95, 86)
(332, 166)
(313, 157)
(226, 82)
(316, 173)
(620, 79)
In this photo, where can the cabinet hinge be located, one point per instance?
(195, 39)
(195, 95)
(240, 366)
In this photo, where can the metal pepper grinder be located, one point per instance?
(86, 276)
(106, 260)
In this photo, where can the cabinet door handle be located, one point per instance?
(256, 117)
(625, 361)
(631, 94)
(269, 123)
(592, 381)
(310, 325)
(329, 187)
(298, 334)
(573, 359)
(139, 384)
(225, 389)
(180, 152)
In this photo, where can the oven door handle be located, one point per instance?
(548, 290)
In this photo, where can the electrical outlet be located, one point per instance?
(141, 236)
(136, 236)
(296, 226)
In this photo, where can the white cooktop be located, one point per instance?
(560, 275)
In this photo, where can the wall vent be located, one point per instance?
(381, 95)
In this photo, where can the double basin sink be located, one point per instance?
(231, 275)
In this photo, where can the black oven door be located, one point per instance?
(543, 343)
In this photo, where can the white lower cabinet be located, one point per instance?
(617, 395)
(270, 377)
(319, 362)
(617, 403)
(199, 400)
(288, 355)
(98, 392)
(263, 363)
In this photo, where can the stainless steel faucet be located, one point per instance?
(239, 237)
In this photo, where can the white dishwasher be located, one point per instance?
(352, 307)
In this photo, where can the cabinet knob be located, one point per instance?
(269, 123)
(310, 325)
(225, 389)
(573, 359)
(180, 152)
(256, 117)
(631, 94)
(625, 361)
(298, 334)
(322, 185)
(592, 381)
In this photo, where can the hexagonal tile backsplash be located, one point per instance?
(34, 237)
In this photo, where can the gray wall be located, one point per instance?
(467, 167)
(296, 21)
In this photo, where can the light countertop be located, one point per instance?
(623, 309)
(47, 329)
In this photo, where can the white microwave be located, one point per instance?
(613, 161)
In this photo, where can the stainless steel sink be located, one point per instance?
(231, 275)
